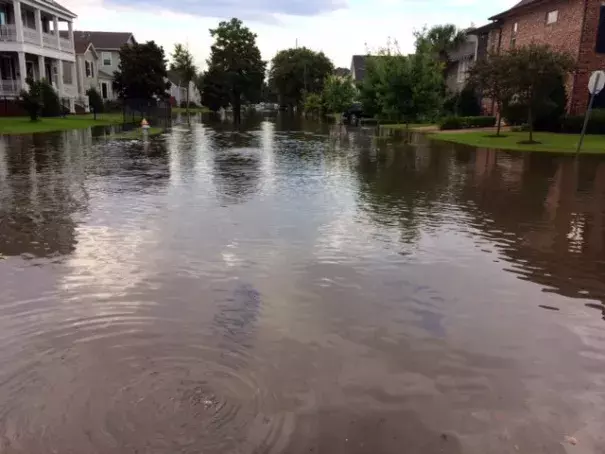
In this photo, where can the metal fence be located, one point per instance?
(157, 113)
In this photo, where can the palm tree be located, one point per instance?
(442, 40)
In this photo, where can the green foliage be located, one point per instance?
(31, 99)
(454, 122)
(596, 123)
(51, 105)
(236, 65)
(313, 104)
(94, 101)
(112, 106)
(338, 94)
(404, 88)
(534, 72)
(468, 102)
(295, 72)
(142, 72)
(215, 93)
(182, 64)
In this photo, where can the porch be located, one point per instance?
(61, 74)
(22, 23)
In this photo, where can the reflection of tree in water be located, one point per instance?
(402, 186)
(40, 192)
(237, 164)
(546, 214)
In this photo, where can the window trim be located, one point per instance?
(555, 12)
(105, 59)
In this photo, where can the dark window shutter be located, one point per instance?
(600, 46)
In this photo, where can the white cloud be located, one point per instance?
(339, 32)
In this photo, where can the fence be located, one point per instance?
(157, 113)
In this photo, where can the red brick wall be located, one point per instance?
(564, 35)
(588, 59)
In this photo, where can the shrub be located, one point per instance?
(112, 106)
(51, 105)
(573, 124)
(468, 103)
(31, 100)
(467, 122)
(94, 101)
(183, 104)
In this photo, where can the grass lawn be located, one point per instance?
(192, 110)
(136, 134)
(558, 143)
(411, 126)
(23, 125)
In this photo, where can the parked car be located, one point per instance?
(353, 115)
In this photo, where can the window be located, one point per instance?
(2, 17)
(92, 69)
(600, 44)
(552, 17)
(515, 28)
(104, 90)
(106, 58)
(87, 66)
(513, 35)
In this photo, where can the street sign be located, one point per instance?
(597, 82)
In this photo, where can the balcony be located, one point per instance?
(10, 88)
(69, 90)
(31, 35)
(66, 45)
(8, 32)
(49, 40)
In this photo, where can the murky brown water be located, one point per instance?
(293, 289)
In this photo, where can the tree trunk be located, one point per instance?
(237, 105)
(499, 120)
(530, 119)
(187, 107)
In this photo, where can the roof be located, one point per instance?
(359, 66)
(483, 29)
(104, 40)
(81, 42)
(103, 75)
(58, 7)
(342, 72)
(519, 6)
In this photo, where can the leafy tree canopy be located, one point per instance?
(338, 93)
(182, 64)
(142, 72)
(295, 72)
(237, 59)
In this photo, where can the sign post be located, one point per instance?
(595, 85)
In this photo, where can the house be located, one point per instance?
(573, 26)
(87, 69)
(31, 45)
(107, 46)
(178, 90)
(460, 61)
(343, 73)
(358, 67)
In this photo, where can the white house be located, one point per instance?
(178, 90)
(33, 45)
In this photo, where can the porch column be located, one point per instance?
(60, 78)
(74, 75)
(22, 69)
(18, 20)
(70, 33)
(39, 26)
(57, 36)
(41, 67)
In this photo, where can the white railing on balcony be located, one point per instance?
(8, 32)
(66, 44)
(49, 40)
(10, 87)
(31, 35)
(69, 91)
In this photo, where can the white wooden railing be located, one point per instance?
(10, 87)
(8, 32)
(49, 40)
(66, 44)
(69, 90)
(31, 35)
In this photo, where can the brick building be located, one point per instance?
(573, 26)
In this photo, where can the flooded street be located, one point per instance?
(296, 288)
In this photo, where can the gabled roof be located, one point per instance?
(81, 43)
(517, 8)
(359, 65)
(60, 8)
(105, 40)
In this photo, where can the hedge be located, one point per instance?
(467, 122)
(596, 125)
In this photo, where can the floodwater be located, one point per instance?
(297, 288)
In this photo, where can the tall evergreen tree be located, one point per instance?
(182, 64)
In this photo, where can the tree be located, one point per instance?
(295, 72)
(214, 91)
(338, 93)
(442, 40)
(31, 99)
(534, 71)
(312, 104)
(94, 101)
(236, 57)
(142, 72)
(182, 64)
(491, 77)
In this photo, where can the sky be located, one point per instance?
(339, 28)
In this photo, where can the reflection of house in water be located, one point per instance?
(550, 226)
(40, 195)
